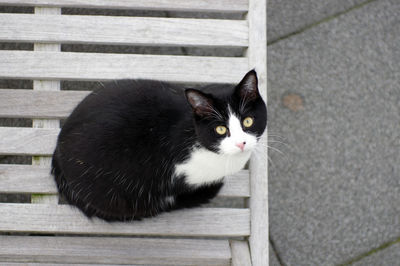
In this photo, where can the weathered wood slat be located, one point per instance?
(237, 185)
(47, 218)
(123, 30)
(38, 104)
(257, 54)
(26, 179)
(240, 253)
(171, 5)
(38, 180)
(77, 264)
(27, 141)
(58, 264)
(93, 66)
(115, 250)
(31, 179)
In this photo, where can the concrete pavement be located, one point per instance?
(333, 96)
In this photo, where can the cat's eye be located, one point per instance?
(221, 130)
(248, 122)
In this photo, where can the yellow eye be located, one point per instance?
(221, 130)
(248, 122)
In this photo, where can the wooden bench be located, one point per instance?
(47, 232)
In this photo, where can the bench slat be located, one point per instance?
(38, 104)
(65, 264)
(240, 253)
(46, 218)
(38, 180)
(93, 66)
(116, 250)
(123, 30)
(171, 5)
(26, 179)
(61, 264)
(237, 185)
(27, 141)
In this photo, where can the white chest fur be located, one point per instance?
(204, 166)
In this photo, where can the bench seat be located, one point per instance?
(67, 42)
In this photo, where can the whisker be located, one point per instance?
(280, 142)
(275, 149)
(270, 162)
(269, 148)
(275, 136)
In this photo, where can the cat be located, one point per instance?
(136, 148)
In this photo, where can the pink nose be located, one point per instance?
(241, 145)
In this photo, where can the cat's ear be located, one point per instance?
(248, 87)
(201, 103)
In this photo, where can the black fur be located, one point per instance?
(116, 153)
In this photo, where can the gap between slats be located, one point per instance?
(171, 5)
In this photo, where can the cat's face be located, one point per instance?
(231, 123)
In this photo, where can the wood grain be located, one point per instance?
(27, 141)
(38, 180)
(116, 250)
(257, 54)
(93, 66)
(123, 30)
(65, 264)
(236, 185)
(48, 219)
(26, 179)
(38, 104)
(170, 5)
(240, 253)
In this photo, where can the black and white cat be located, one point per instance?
(139, 147)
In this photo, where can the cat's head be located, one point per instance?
(230, 122)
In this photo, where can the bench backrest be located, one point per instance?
(47, 102)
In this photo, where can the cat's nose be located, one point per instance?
(241, 145)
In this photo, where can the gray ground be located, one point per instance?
(333, 96)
